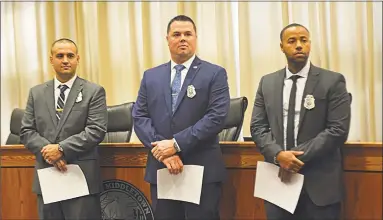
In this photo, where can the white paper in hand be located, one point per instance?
(185, 186)
(268, 186)
(58, 186)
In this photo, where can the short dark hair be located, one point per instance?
(289, 26)
(181, 18)
(64, 40)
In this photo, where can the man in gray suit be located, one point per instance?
(300, 120)
(65, 119)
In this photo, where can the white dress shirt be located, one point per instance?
(288, 83)
(187, 65)
(69, 83)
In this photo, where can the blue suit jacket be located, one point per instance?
(195, 123)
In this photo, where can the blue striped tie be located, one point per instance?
(60, 101)
(176, 85)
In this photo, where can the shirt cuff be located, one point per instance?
(176, 146)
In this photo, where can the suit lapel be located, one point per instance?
(167, 86)
(49, 93)
(74, 91)
(194, 68)
(311, 83)
(278, 87)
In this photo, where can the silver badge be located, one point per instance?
(309, 102)
(191, 91)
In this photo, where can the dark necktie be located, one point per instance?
(176, 85)
(61, 101)
(290, 142)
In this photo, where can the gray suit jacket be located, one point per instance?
(82, 127)
(322, 130)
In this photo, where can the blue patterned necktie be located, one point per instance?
(176, 85)
(60, 101)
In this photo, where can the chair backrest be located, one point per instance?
(120, 123)
(234, 120)
(15, 126)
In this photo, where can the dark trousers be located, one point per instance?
(208, 209)
(305, 210)
(86, 207)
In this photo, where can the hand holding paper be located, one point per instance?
(51, 153)
(288, 160)
(174, 164)
(269, 187)
(57, 186)
(185, 186)
(61, 165)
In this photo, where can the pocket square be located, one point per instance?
(79, 97)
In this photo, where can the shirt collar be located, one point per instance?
(69, 83)
(303, 73)
(187, 63)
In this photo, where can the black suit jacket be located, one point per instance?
(322, 130)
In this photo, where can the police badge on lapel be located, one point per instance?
(309, 102)
(191, 91)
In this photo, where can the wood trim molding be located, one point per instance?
(357, 156)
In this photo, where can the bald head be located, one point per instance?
(63, 40)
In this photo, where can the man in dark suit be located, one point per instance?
(65, 119)
(300, 120)
(180, 109)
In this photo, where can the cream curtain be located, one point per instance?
(118, 40)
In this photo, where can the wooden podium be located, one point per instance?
(362, 163)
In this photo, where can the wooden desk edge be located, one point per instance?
(224, 144)
(358, 156)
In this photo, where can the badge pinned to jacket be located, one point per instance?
(309, 102)
(191, 91)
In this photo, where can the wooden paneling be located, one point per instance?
(363, 158)
(237, 200)
(17, 199)
(126, 161)
(363, 196)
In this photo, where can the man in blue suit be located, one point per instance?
(180, 109)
